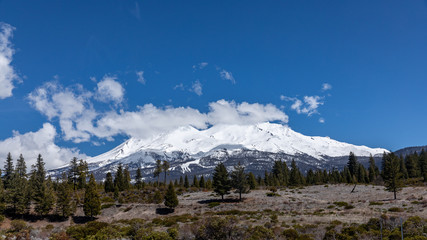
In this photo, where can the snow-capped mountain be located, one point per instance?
(196, 152)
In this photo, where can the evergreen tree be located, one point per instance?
(8, 171)
(221, 182)
(63, 201)
(126, 179)
(239, 180)
(21, 167)
(92, 203)
(352, 164)
(138, 178)
(281, 172)
(423, 164)
(186, 183)
(252, 181)
(157, 170)
(119, 179)
(373, 169)
(411, 162)
(43, 195)
(195, 182)
(2, 196)
(403, 169)
(391, 173)
(108, 184)
(311, 178)
(181, 181)
(295, 175)
(171, 200)
(73, 172)
(202, 183)
(209, 184)
(82, 173)
(165, 168)
(175, 183)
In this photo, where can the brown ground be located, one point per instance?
(307, 205)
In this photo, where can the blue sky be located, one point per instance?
(79, 77)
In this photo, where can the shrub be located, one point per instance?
(260, 232)
(213, 204)
(290, 234)
(395, 209)
(375, 203)
(349, 207)
(108, 205)
(18, 225)
(341, 204)
(272, 194)
(2, 218)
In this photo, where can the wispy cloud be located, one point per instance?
(197, 88)
(326, 87)
(140, 77)
(226, 75)
(8, 76)
(308, 105)
(200, 65)
(179, 86)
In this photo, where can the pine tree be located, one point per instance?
(411, 162)
(221, 182)
(391, 173)
(195, 182)
(126, 179)
(108, 184)
(202, 183)
(82, 173)
(138, 178)
(181, 181)
(63, 201)
(73, 172)
(42, 190)
(119, 178)
(2, 196)
(209, 183)
(8, 171)
(423, 164)
(186, 183)
(21, 167)
(252, 181)
(373, 169)
(171, 200)
(239, 180)
(165, 168)
(352, 164)
(403, 169)
(157, 170)
(92, 203)
(295, 175)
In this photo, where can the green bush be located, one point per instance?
(260, 233)
(272, 194)
(107, 205)
(395, 209)
(213, 204)
(18, 225)
(375, 203)
(341, 204)
(290, 234)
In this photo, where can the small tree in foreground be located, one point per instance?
(239, 180)
(221, 182)
(391, 173)
(171, 200)
(92, 203)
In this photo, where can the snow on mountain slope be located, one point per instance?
(265, 137)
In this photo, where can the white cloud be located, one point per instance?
(197, 88)
(308, 105)
(225, 112)
(200, 65)
(321, 120)
(8, 75)
(179, 86)
(72, 106)
(140, 75)
(80, 122)
(326, 87)
(41, 142)
(227, 76)
(109, 89)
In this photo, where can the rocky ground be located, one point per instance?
(308, 205)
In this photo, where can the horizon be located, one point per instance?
(78, 79)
